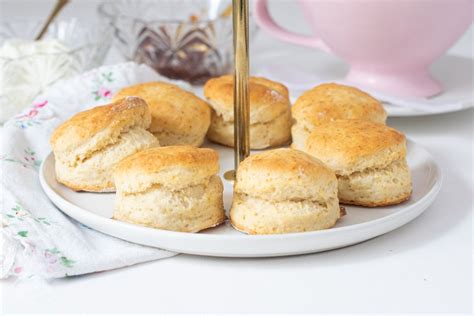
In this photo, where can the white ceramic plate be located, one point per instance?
(360, 224)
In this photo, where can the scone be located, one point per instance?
(178, 117)
(368, 158)
(284, 191)
(270, 115)
(329, 102)
(172, 188)
(89, 145)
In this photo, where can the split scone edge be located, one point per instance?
(173, 188)
(331, 101)
(178, 117)
(270, 115)
(88, 145)
(368, 158)
(284, 191)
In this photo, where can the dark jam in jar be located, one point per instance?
(186, 52)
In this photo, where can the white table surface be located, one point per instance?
(426, 266)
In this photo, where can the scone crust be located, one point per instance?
(285, 174)
(347, 146)
(165, 166)
(387, 202)
(260, 216)
(262, 135)
(377, 187)
(268, 99)
(190, 209)
(333, 101)
(110, 118)
(173, 111)
(95, 173)
(284, 191)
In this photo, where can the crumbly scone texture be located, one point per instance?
(377, 187)
(268, 99)
(178, 116)
(95, 173)
(347, 146)
(368, 158)
(329, 102)
(100, 126)
(262, 135)
(189, 209)
(254, 215)
(282, 191)
(173, 188)
(174, 139)
(270, 114)
(285, 174)
(89, 145)
(174, 167)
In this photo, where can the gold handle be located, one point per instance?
(59, 6)
(240, 14)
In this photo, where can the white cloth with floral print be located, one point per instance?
(37, 238)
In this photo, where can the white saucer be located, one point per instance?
(360, 224)
(301, 71)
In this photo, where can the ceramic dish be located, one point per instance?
(360, 224)
(308, 70)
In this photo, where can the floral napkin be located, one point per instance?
(37, 238)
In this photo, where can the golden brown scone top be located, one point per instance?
(160, 158)
(111, 119)
(284, 160)
(354, 145)
(171, 108)
(172, 166)
(334, 101)
(268, 99)
(283, 174)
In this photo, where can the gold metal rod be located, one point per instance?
(59, 6)
(241, 78)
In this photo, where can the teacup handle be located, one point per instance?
(266, 22)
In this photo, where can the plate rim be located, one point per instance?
(469, 104)
(428, 197)
(417, 113)
(407, 112)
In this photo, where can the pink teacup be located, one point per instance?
(389, 44)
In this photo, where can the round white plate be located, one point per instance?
(360, 224)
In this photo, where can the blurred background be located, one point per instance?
(181, 40)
